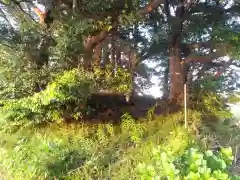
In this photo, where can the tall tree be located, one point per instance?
(194, 35)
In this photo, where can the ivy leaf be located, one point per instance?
(209, 153)
(223, 164)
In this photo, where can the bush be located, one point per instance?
(115, 80)
(106, 151)
(82, 152)
(67, 95)
(73, 87)
(192, 164)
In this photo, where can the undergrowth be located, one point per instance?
(66, 95)
(100, 151)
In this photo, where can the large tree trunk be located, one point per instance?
(176, 72)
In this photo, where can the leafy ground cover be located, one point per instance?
(159, 149)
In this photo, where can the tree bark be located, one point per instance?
(97, 54)
(118, 56)
(166, 83)
(113, 52)
(176, 72)
(106, 53)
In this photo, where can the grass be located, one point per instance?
(83, 152)
(226, 135)
(102, 151)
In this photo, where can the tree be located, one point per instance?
(185, 47)
(191, 38)
(194, 35)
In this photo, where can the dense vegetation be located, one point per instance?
(73, 76)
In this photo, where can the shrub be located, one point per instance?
(82, 152)
(66, 95)
(192, 164)
(73, 87)
(114, 80)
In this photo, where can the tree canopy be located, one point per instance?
(193, 42)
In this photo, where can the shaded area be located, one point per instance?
(109, 107)
(70, 161)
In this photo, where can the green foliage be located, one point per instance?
(135, 130)
(19, 83)
(216, 106)
(210, 103)
(20, 73)
(234, 98)
(64, 96)
(73, 87)
(211, 83)
(151, 112)
(87, 152)
(16, 80)
(69, 39)
(31, 154)
(192, 164)
(118, 80)
(105, 151)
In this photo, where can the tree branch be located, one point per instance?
(5, 17)
(201, 58)
(210, 44)
(221, 49)
(7, 45)
(103, 34)
(18, 3)
(92, 41)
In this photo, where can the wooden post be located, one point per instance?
(235, 156)
(185, 104)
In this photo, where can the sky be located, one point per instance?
(155, 89)
(235, 109)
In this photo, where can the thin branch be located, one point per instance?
(209, 44)
(221, 49)
(202, 58)
(18, 3)
(5, 17)
(7, 45)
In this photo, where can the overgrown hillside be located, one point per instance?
(72, 81)
(134, 150)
